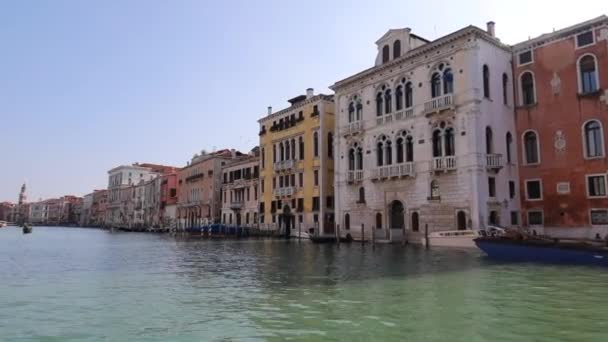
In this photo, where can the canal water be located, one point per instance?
(71, 284)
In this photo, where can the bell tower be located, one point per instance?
(22, 195)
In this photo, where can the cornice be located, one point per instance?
(316, 98)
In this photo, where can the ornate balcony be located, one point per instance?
(353, 128)
(407, 113)
(284, 165)
(494, 162)
(384, 119)
(285, 192)
(354, 176)
(444, 164)
(439, 104)
(394, 171)
(237, 205)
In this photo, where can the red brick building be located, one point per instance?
(561, 116)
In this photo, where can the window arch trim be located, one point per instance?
(523, 146)
(521, 88)
(585, 140)
(579, 75)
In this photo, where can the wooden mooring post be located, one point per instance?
(338, 234)
(362, 233)
(299, 231)
(426, 235)
(373, 238)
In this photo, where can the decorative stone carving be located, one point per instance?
(603, 34)
(559, 142)
(556, 84)
(605, 96)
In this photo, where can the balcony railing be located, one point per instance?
(285, 192)
(439, 104)
(354, 176)
(443, 163)
(494, 161)
(353, 128)
(384, 119)
(284, 165)
(394, 171)
(237, 205)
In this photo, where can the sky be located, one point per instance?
(89, 85)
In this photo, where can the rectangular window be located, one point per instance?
(511, 189)
(491, 186)
(301, 176)
(293, 179)
(514, 218)
(329, 202)
(599, 216)
(315, 204)
(316, 177)
(274, 182)
(255, 193)
(584, 39)
(534, 191)
(525, 57)
(263, 157)
(248, 194)
(596, 186)
(300, 204)
(535, 218)
(262, 186)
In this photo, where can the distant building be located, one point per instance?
(86, 210)
(240, 191)
(199, 185)
(6, 211)
(297, 164)
(561, 112)
(98, 208)
(168, 200)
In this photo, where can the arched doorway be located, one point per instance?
(287, 220)
(396, 215)
(461, 219)
(493, 218)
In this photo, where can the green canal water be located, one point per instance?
(70, 284)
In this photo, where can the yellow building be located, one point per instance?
(297, 165)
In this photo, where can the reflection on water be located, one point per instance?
(78, 284)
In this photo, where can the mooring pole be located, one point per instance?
(403, 236)
(362, 233)
(426, 235)
(338, 234)
(299, 231)
(373, 238)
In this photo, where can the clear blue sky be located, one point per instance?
(88, 85)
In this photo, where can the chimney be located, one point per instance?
(310, 93)
(269, 110)
(490, 29)
(233, 153)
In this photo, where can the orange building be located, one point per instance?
(561, 118)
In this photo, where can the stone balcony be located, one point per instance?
(447, 163)
(439, 104)
(354, 176)
(237, 205)
(353, 128)
(494, 162)
(394, 171)
(284, 165)
(285, 192)
(403, 114)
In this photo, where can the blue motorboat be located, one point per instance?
(544, 250)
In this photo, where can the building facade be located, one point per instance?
(240, 192)
(6, 211)
(199, 185)
(168, 200)
(426, 137)
(561, 110)
(98, 208)
(297, 165)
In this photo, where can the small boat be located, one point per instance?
(462, 238)
(3, 224)
(329, 238)
(543, 250)
(27, 229)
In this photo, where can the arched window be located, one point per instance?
(409, 95)
(588, 74)
(388, 101)
(435, 189)
(400, 154)
(359, 111)
(399, 97)
(437, 143)
(361, 195)
(281, 152)
(274, 153)
(415, 223)
(531, 147)
(505, 89)
(409, 149)
(594, 140)
(379, 104)
(301, 147)
(486, 81)
(347, 221)
(435, 85)
(450, 147)
(509, 141)
(380, 154)
(315, 141)
(359, 159)
(448, 81)
(389, 152)
(527, 89)
(378, 221)
(287, 150)
(396, 49)
(351, 112)
(489, 141)
(385, 54)
(351, 159)
(293, 149)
